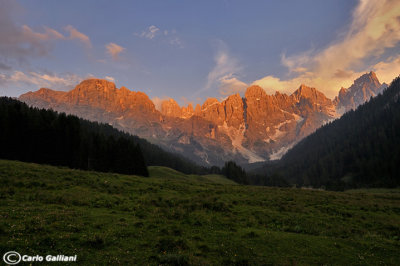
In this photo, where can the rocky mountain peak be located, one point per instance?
(43, 90)
(368, 78)
(342, 91)
(305, 92)
(96, 85)
(124, 90)
(171, 108)
(311, 94)
(234, 110)
(363, 88)
(255, 91)
(209, 102)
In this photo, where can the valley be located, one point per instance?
(201, 133)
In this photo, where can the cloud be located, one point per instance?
(150, 32)
(158, 101)
(343, 74)
(375, 27)
(223, 75)
(75, 34)
(271, 84)
(35, 80)
(49, 34)
(4, 66)
(18, 44)
(110, 78)
(45, 80)
(230, 85)
(169, 36)
(176, 41)
(114, 50)
(387, 70)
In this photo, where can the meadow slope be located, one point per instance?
(172, 218)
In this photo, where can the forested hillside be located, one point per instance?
(361, 149)
(43, 136)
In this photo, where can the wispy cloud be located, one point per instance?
(110, 78)
(223, 76)
(4, 66)
(114, 50)
(388, 69)
(39, 80)
(375, 27)
(150, 32)
(158, 101)
(231, 85)
(176, 41)
(75, 34)
(20, 43)
(48, 34)
(169, 36)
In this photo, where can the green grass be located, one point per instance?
(175, 219)
(165, 172)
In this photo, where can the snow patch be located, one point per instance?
(278, 133)
(298, 118)
(203, 155)
(236, 136)
(279, 153)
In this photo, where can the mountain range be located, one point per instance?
(361, 149)
(249, 129)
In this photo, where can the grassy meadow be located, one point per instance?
(174, 219)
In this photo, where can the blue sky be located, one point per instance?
(191, 50)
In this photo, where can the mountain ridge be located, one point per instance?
(245, 129)
(361, 149)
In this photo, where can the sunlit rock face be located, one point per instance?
(248, 129)
(362, 90)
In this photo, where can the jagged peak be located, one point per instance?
(368, 77)
(254, 90)
(373, 74)
(197, 108)
(144, 95)
(44, 90)
(189, 107)
(233, 96)
(342, 91)
(124, 89)
(210, 101)
(169, 102)
(305, 91)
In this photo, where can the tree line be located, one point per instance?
(47, 137)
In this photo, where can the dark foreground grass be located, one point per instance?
(117, 219)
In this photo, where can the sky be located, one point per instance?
(192, 50)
